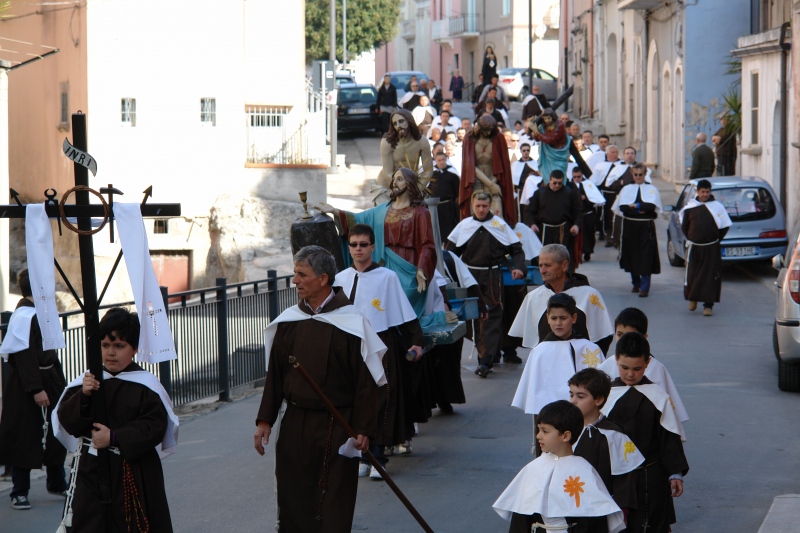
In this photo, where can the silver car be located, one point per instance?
(514, 81)
(759, 227)
(786, 329)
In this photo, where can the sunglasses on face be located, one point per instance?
(525, 150)
(359, 244)
(635, 175)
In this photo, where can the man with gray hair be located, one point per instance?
(702, 159)
(316, 486)
(593, 320)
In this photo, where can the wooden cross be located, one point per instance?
(84, 211)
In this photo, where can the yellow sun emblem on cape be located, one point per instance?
(519, 235)
(591, 357)
(594, 299)
(497, 224)
(574, 487)
(376, 303)
(630, 447)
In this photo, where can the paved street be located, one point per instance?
(743, 447)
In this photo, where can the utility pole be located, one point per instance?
(530, 45)
(332, 107)
(344, 33)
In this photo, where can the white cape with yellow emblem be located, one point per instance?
(658, 397)
(531, 245)
(559, 487)
(588, 300)
(498, 227)
(624, 455)
(379, 296)
(550, 365)
(658, 374)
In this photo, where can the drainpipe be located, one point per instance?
(785, 49)
(645, 60)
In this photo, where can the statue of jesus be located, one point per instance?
(402, 147)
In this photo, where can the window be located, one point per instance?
(265, 117)
(506, 7)
(752, 203)
(208, 111)
(754, 108)
(161, 226)
(129, 112)
(64, 103)
(455, 60)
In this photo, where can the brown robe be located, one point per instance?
(138, 421)
(317, 486)
(703, 277)
(21, 423)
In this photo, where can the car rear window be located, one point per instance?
(364, 95)
(746, 203)
(400, 80)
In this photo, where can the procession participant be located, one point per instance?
(460, 134)
(435, 95)
(411, 81)
(630, 320)
(588, 141)
(643, 410)
(523, 167)
(600, 172)
(445, 187)
(476, 94)
(403, 230)
(403, 147)
(501, 96)
(35, 382)
(554, 144)
(638, 205)
(599, 154)
(603, 443)
(704, 222)
(534, 104)
(532, 182)
(619, 177)
(446, 122)
(489, 68)
(453, 160)
(483, 241)
(559, 491)
(411, 98)
(554, 213)
(423, 115)
(489, 108)
(387, 101)
(447, 105)
(337, 346)
(376, 293)
(590, 197)
(593, 321)
(485, 167)
(512, 140)
(434, 136)
(141, 426)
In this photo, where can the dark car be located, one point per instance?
(759, 227)
(400, 78)
(357, 107)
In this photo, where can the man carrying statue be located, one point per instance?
(402, 147)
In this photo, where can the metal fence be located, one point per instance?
(218, 333)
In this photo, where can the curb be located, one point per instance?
(783, 515)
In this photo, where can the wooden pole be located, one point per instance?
(339, 418)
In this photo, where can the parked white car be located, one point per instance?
(786, 329)
(514, 82)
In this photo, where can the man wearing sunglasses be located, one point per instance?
(377, 294)
(638, 205)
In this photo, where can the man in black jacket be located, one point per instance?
(702, 159)
(387, 102)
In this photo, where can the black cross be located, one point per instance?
(84, 211)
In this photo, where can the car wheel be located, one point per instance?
(788, 377)
(673, 258)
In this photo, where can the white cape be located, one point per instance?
(595, 159)
(379, 297)
(620, 168)
(142, 377)
(593, 194)
(518, 166)
(721, 217)
(531, 245)
(627, 196)
(601, 171)
(526, 323)
(658, 374)
(531, 186)
(347, 319)
(18, 334)
(624, 455)
(550, 365)
(498, 228)
(557, 487)
(659, 398)
(462, 276)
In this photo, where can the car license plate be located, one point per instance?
(740, 251)
(358, 110)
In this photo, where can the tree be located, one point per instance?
(370, 23)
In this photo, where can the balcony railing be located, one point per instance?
(408, 29)
(460, 26)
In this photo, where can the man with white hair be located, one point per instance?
(702, 159)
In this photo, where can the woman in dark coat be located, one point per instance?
(489, 69)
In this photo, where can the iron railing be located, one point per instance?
(218, 333)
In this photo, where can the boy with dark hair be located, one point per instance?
(632, 319)
(559, 490)
(602, 442)
(554, 360)
(141, 426)
(35, 380)
(644, 412)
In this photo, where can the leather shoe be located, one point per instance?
(643, 294)
(692, 306)
(587, 258)
(513, 359)
(635, 289)
(482, 371)
(707, 312)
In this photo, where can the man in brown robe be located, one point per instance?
(316, 486)
(705, 223)
(35, 382)
(485, 166)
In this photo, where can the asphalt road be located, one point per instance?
(743, 440)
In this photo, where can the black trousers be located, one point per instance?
(589, 237)
(608, 214)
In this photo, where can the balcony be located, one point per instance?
(639, 4)
(445, 30)
(408, 29)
